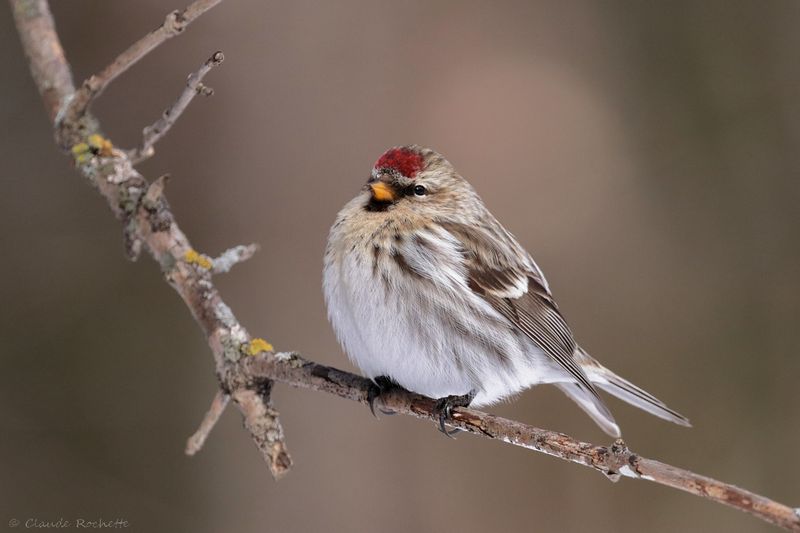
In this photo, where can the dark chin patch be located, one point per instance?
(375, 206)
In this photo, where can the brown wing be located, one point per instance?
(501, 280)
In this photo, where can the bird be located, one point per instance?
(427, 291)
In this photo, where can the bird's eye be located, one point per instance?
(420, 190)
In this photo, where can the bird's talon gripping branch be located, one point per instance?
(373, 392)
(378, 386)
(444, 407)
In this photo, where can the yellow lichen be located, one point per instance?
(257, 345)
(94, 145)
(100, 145)
(81, 152)
(80, 148)
(193, 258)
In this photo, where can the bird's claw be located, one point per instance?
(378, 386)
(372, 393)
(444, 408)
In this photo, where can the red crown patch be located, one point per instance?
(403, 160)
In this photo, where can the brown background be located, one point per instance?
(646, 153)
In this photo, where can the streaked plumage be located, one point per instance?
(428, 289)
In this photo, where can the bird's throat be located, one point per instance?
(374, 205)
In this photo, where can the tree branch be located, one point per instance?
(174, 24)
(218, 405)
(194, 86)
(247, 367)
(143, 209)
(49, 67)
(233, 256)
(613, 461)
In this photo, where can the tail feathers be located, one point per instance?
(625, 390)
(593, 407)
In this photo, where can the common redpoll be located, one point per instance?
(426, 289)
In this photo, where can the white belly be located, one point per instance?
(388, 329)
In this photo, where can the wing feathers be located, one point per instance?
(545, 327)
(503, 274)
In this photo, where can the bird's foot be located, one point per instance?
(444, 408)
(378, 386)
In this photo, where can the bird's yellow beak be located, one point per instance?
(382, 192)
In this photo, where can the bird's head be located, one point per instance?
(416, 179)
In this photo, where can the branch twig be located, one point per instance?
(198, 438)
(247, 367)
(174, 24)
(261, 420)
(194, 86)
(233, 256)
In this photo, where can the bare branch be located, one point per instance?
(232, 256)
(142, 207)
(155, 192)
(247, 367)
(195, 443)
(261, 420)
(48, 65)
(194, 86)
(174, 24)
(613, 461)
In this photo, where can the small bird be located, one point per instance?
(425, 289)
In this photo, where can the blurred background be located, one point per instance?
(645, 153)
